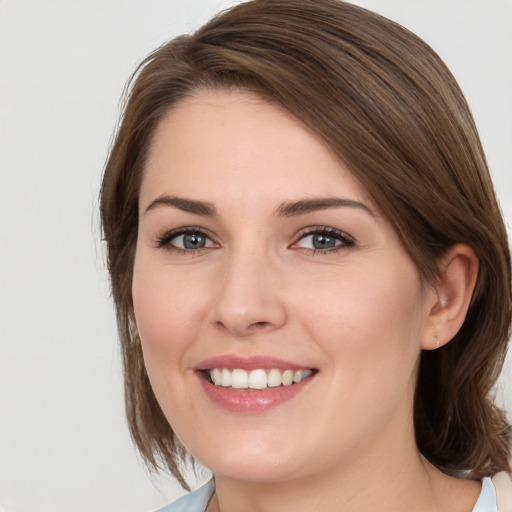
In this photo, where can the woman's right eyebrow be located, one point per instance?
(187, 205)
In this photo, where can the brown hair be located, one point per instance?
(388, 106)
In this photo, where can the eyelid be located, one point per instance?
(346, 240)
(164, 240)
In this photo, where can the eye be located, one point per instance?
(190, 241)
(185, 240)
(324, 240)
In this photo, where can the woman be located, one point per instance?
(310, 269)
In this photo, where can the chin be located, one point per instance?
(254, 461)
(255, 471)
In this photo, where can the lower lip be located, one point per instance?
(251, 400)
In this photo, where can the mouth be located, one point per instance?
(253, 384)
(256, 379)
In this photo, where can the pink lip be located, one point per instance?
(248, 363)
(249, 400)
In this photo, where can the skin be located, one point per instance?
(358, 313)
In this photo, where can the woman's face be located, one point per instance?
(261, 259)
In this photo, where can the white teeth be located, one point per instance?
(306, 374)
(274, 378)
(216, 376)
(257, 379)
(239, 379)
(225, 378)
(287, 377)
(300, 375)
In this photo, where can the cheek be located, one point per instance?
(367, 327)
(166, 312)
(370, 319)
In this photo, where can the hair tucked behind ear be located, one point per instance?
(389, 108)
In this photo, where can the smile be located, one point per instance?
(256, 379)
(252, 384)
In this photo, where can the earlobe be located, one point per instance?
(452, 296)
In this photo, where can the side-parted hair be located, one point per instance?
(387, 105)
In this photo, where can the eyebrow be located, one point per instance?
(286, 209)
(303, 206)
(187, 205)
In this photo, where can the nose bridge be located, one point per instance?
(248, 298)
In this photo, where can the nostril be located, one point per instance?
(244, 330)
(259, 325)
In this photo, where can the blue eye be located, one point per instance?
(320, 241)
(190, 241)
(185, 240)
(324, 240)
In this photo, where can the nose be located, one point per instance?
(250, 300)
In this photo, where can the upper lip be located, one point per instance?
(231, 362)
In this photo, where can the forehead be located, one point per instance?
(246, 144)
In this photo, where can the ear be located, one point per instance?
(450, 296)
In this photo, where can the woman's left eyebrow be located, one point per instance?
(303, 206)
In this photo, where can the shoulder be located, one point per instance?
(195, 501)
(503, 485)
(496, 494)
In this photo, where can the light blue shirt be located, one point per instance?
(198, 500)
(195, 501)
(487, 502)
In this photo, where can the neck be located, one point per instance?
(398, 480)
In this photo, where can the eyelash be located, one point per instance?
(164, 241)
(346, 241)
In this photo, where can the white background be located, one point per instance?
(64, 446)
